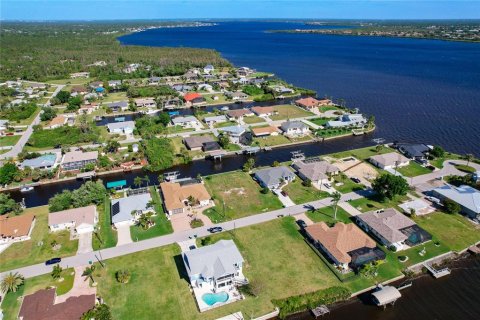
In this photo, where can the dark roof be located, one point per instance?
(211, 146)
(413, 150)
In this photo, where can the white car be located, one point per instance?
(433, 199)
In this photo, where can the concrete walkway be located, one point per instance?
(349, 208)
(85, 243)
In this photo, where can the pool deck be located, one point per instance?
(233, 296)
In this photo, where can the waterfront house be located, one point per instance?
(316, 170)
(79, 90)
(75, 160)
(265, 131)
(178, 196)
(174, 103)
(238, 114)
(392, 228)
(344, 244)
(125, 127)
(42, 305)
(145, 102)
(118, 106)
(88, 108)
(77, 75)
(467, 197)
(263, 111)
(294, 128)
(214, 120)
(282, 89)
(274, 177)
(3, 125)
(196, 143)
(154, 80)
(77, 220)
(416, 151)
(237, 95)
(205, 87)
(308, 103)
(115, 84)
(235, 133)
(245, 71)
(57, 122)
(186, 122)
(211, 146)
(126, 211)
(389, 160)
(96, 84)
(43, 162)
(182, 88)
(194, 99)
(347, 120)
(208, 69)
(16, 228)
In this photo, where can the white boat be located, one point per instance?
(26, 188)
(225, 108)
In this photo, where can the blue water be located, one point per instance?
(418, 90)
(212, 298)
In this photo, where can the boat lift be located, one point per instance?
(297, 155)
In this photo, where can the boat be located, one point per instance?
(98, 118)
(119, 119)
(26, 188)
(225, 108)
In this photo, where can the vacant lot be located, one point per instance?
(289, 111)
(114, 96)
(302, 194)
(373, 203)
(362, 154)
(327, 215)
(239, 194)
(271, 141)
(413, 169)
(39, 248)
(253, 119)
(9, 140)
(105, 237)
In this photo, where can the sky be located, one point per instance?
(205, 9)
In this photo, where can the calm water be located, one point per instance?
(419, 90)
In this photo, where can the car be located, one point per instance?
(280, 216)
(301, 224)
(433, 199)
(284, 193)
(53, 261)
(192, 247)
(215, 229)
(355, 179)
(327, 185)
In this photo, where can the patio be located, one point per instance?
(231, 290)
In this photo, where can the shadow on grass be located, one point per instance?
(182, 272)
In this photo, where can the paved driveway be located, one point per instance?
(124, 237)
(80, 286)
(285, 200)
(85, 243)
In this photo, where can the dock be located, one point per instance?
(86, 175)
(320, 311)
(437, 273)
(474, 249)
(251, 150)
(217, 154)
(384, 295)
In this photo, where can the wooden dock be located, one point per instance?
(437, 273)
(320, 311)
(474, 249)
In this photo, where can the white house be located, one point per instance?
(215, 119)
(294, 128)
(389, 160)
(125, 127)
(78, 220)
(126, 211)
(3, 125)
(186, 122)
(208, 69)
(346, 120)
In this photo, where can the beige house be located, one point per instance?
(16, 228)
(80, 220)
(389, 160)
(176, 196)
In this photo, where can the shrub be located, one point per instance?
(123, 276)
(451, 207)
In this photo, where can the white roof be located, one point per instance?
(122, 208)
(75, 156)
(180, 119)
(465, 196)
(121, 125)
(417, 205)
(215, 118)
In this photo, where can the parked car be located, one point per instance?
(215, 229)
(284, 193)
(192, 247)
(280, 216)
(327, 185)
(433, 199)
(301, 224)
(53, 261)
(355, 179)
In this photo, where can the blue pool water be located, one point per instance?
(212, 298)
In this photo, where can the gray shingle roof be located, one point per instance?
(272, 176)
(122, 208)
(387, 223)
(315, 171)
(288, 125)
(121, 125)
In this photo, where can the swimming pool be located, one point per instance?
(212, 298)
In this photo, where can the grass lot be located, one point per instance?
(225, 124)
(361, 154)
(241, 195)
(114, 96)
(162, 225)
(438, 162)
(274, 261)
(373, 203)
(452, 229)
(62, 136)
(271, 141)
(431, 250)
(347, 184)
(105, 237)
(329, 133)
(9, 140)
(30, 252)
(178, 145)
(221, 98)
(327, 215)
(289, 111)
(465, 168)
(253, 119)
(71, 81)
(302, 194)
(320, 121)
(177, 129)
(12, 301)
(328, 108)
(413, 169)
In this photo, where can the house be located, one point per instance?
(308, 103)
(182, 88)
(211, 146)
(263, 111)
(265, 131)
(223, 85)
(283, 89)
(420, 207)
(79, 90)
(245, 71)
(77, 75)
(191, 75)
(176, 196)
(241, 81)
(41, 306)
(294, 128)
(145, 102)
(78, 220)
(392, 228)
(118, 106)
(3, 125)
(214, 120)
(345, 244)
(208, 69)
(75, 160)
(467, 197)
(347, 120)
(174, 103)
(43, 162)
(125, 127)
(417, 151)
(205, 87)
(154, 80)
(238, 114)
(88, 108)
(115, 84)
(195, 143)
(235, 133)
(237, 95)
(273, 178)
(194, 99)
(16, 228)
(389, 160)
(316, 170)
(57, 122)
(131, 68)
(215, 266)
(126, 211)
(96, 84)
(186, 122)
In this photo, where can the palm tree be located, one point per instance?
(144, 221)
(56, 272)
(123, 276)
(336, 196)
(469, 157)
(146, 179)
(88, 273)
(138, 181)
(379, 148)
(12, 282)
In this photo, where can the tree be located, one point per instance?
(8, 172)
(123, 276)
(99, 312)
(275, 163)
(223, 140)
(11, 282)
(88, 273)
(145, 221)
(56, 272)
(48, 114)
(307, 182)
(379, 148)
(469, 157)
(388, 186)
(8, 205)
(112, 146)
(451, 207)
(60, 201)
(74, 103)
(336, 196)
(249, 165)
(164, 118)
(438, 152)
(138, 181)
(146, 178)
(63, 96)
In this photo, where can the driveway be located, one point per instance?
(124, 237)
(286, 201)
(185, 245)
(181, 221)
(349, 208)
(80, 286)
(85, 243)
(304, 217)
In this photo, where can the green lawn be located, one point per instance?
(253, 119)
(361, 154)
(413, 169)
(438, 162)
(225, 124)
(329, 133)
(77, 81)
(320, 121)
(289, 111)
(241, 195)
(12, 301)
(62, 136)
(431, 250)
(302, 194)
(9, 140)
(114, 96)
(373, 203)
(105, 237)
(327, 215)
(159, 278)
(346, 185)
(465, 168)
(38, 249)
(271, 141)
(162, 224)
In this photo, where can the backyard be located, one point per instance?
(327, 215)
(240, 195)
(288, 111)
(39, 248)
(302, 194)
(270, 141)
(373, 203)
(413, 169)
(363, 153)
